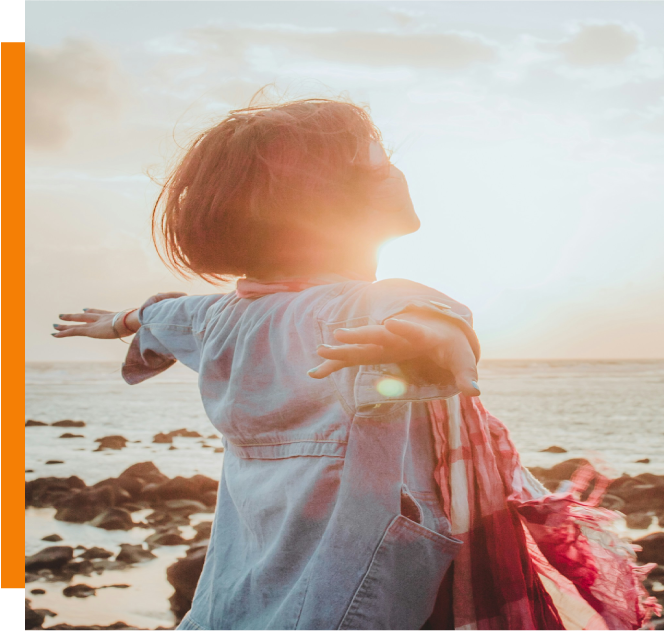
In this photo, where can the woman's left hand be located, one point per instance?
(408, 337)
(96, 323)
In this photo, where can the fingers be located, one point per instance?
(417, 335)
(97, 311)
(353, 354)
(87, 316)
(67, 330)
(457, 356)
(370, 334)
(326, 368)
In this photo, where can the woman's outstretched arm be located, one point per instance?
(98, 323)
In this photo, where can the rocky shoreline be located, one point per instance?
(111, 503)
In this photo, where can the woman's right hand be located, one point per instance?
(96, 323)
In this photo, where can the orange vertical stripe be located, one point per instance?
(13, 306)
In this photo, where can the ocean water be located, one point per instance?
(609, 412)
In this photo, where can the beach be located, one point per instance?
(608, 413)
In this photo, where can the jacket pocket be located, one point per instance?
(400, 588)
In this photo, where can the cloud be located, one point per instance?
(60, 82)
(450, 50)
(600, 44)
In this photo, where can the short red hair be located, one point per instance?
(253, 193)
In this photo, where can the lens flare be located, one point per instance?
(390, 387)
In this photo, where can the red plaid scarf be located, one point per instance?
(531, 559)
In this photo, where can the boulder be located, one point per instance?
(183, 575)
(130, 553)
(554, 449)
(96, 553)
(68, 423)
(178, 488)
(53, 557)
(111, 442)
(31, 423)
(44, 492)
(186, 433)
(652, 548)
(84, 505)
(612, 502)
(37, 591)
(566, 469)
(52, 538)
(33, 619)
(162, 438)
(185, 507)
(169, 537)
(203, 530)
(113, 519)
(121, 493)
(638, 520)
(145, 470)
(79, 591)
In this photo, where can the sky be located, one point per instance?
(531, 135)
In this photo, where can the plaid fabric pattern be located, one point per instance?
(531, 559)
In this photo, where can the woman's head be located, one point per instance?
(291, 188)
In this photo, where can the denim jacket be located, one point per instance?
(328, 515)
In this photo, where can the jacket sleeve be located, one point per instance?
(171, 330)
(389, 298)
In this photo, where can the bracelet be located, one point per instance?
(124, 320)
(116, 317)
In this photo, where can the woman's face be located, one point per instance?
(391, 207)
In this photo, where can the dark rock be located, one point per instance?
(54, 462)
(185, 507)
(79, 591)
(162, 438)
(47, 612)
(213, 436)
(178, 488)
(203, 530)
(33, 619)
(30, 577)
(114, 519)
(116, 585)
(186, 433)
(96, 553)
(68, 423)
(172, 448)
(183, 575)
(52, 557)
(209, 498)
(77, 566)
(133, 553)
(70, 435)
(44, 492)
(133, 507)
(638, 520)
(145, 470)
(85, 505)
(120, 493)
(642, 498)
(160, 518)
(204, 483)
(612, 502)
(643, 461)
(554, 449)
(565, 470)
(31, 423)
(37, 591)
(29, 470)
(219, 450)
(170, 537)
(652, 548)
(111, 442)
(52, 538)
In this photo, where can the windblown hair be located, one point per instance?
(255, 192)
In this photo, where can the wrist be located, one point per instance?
(126, 323)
